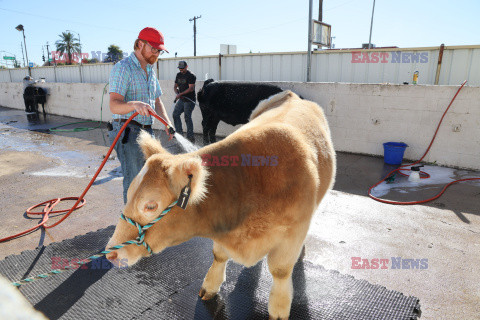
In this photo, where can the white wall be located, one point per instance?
(361, 116)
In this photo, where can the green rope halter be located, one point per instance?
(139, 241)
(141, 229)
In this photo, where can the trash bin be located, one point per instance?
(393, 152)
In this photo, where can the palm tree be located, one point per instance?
(69, 44)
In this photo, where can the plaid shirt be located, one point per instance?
(129, 80)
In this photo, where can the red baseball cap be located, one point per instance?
(153, 37)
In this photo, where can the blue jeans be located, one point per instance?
(128, 152)
(183, 107)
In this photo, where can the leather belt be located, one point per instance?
(143, 126)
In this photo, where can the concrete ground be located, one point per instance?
(36, 166)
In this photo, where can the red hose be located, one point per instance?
(426, 174)
(80, 201)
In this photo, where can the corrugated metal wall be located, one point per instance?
(460, 64)
(352, 66)
(45, 72)
(339, 67)
(167, 68)
(18, 74)
(265, 67)
(5, 75)
(92, 73)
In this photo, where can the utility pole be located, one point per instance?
(320, 11)
(194, 19)
(371, 25)
(309, 48)
(48, 53)
(320, 16)
(20, 28)
(23, 55)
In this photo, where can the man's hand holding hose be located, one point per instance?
(145, 109)
(142, 108)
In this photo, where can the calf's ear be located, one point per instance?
(179, 172)
(149, 144)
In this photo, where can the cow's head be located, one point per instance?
(158, 184)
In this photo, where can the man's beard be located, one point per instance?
(152, 59)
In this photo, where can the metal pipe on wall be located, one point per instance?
(439, 65)
(80, 70)
(219, 66)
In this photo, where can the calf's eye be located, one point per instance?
(151, 206)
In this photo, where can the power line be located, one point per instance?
(80, 23)
(340, 5)
(252, 31)
(67, 21)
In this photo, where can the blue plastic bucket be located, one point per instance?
(393, 152)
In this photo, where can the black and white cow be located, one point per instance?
(231, 102)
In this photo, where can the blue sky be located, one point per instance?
(257, 26)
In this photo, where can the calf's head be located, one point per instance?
(158, 184)
(202, 94)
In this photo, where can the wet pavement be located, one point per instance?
(36, 166)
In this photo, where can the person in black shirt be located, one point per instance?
(185, 90)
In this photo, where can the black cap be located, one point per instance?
(182, 64)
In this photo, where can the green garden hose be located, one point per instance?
(55, 129)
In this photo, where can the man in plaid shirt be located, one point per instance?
(135, 88)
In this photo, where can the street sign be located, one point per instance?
(322, 33)
(8, 58)
(30, 64)
(49, 60)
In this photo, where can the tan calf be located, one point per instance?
(249, 211)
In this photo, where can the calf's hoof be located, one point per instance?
(278, 308)
(206, 295)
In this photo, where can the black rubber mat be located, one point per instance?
(165, 286)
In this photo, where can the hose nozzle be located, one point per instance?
(171, 130)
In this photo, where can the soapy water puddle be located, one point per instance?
(439, 176)
(68, 163)
(61, 171)
(34, 136)
(71, 163)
